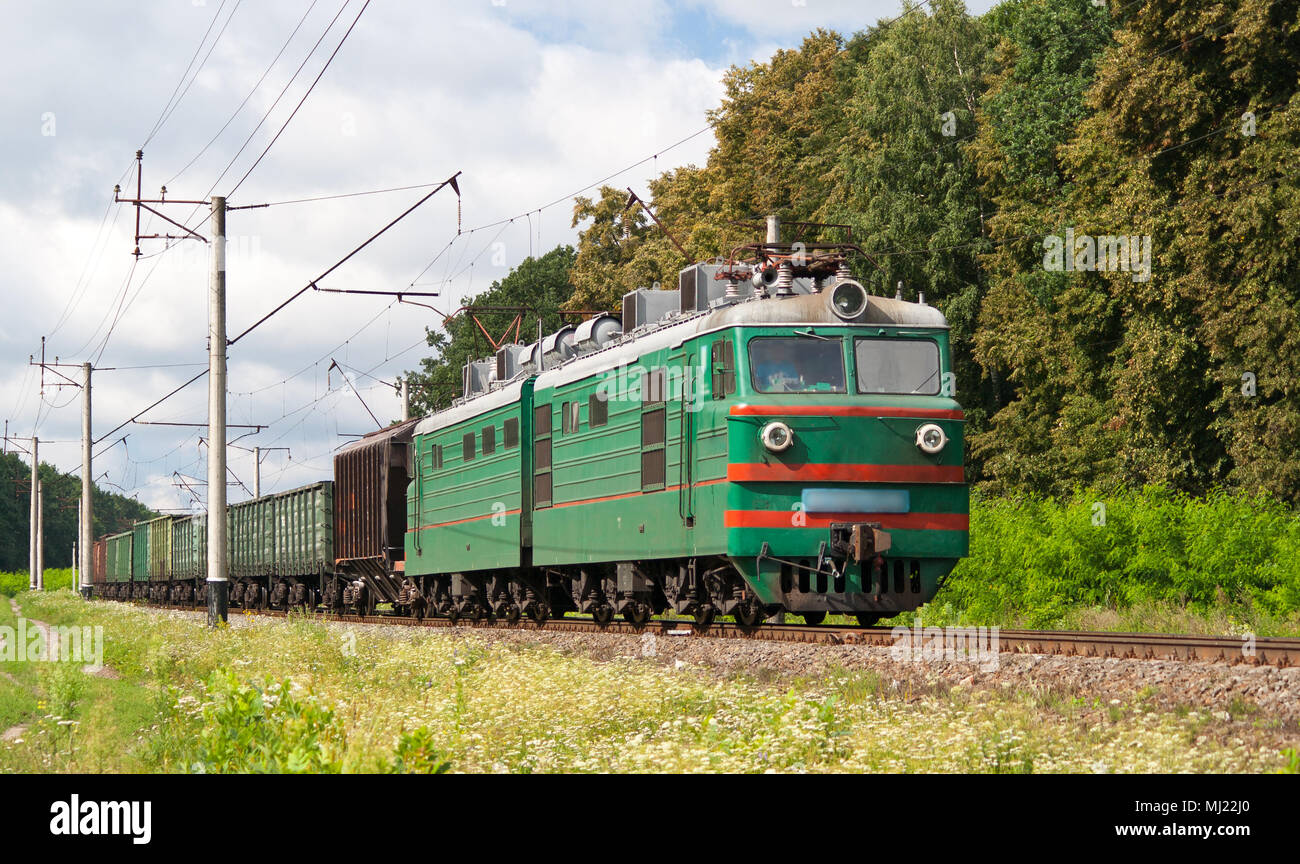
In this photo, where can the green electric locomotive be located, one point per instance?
(767, 438)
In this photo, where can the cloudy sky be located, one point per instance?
(531, 101)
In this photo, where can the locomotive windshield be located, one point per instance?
(897, 366)
(797, 365)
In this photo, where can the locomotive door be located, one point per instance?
(542, 455)
(684, 397)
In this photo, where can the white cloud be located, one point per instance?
(530, 103)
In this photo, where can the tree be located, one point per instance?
(904, 182)
(113, 513)
(1037, 335)
(541, 284)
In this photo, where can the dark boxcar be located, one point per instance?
(370, 480)
(99, 565)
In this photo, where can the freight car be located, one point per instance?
(768, 438)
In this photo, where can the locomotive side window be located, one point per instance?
(798, 364)
(489, 440)
(652, 386)
(435, 456)
(722, 358)
(512, 432)
(570, 418)
(898, 366)
(468, 446)
(597, 409)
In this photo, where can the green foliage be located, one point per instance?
(62, 492)
(541, 284)
(56, 579)
(1035, 559)
(250, 729)
(416, 753)
(64, 685)
(1120, 382)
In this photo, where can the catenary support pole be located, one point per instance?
(257, 472)
(86, 539)
(406, 401)
(33, 527)
(218, 582)
(40, 535)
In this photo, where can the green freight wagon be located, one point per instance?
(303, 540)
(189, 562)
(304, 530)
(251, 538)
(151, 557)
(119, 554)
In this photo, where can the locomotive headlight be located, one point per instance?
(777, 436)
(848, 299)
(931, 438)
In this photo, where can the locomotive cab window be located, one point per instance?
(797, 364)
(897, 366)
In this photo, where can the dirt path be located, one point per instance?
(13, 733)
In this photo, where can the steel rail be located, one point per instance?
(1256, 651)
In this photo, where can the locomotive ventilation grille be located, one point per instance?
(897, 576)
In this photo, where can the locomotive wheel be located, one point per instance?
(867, 619)
(603, 614)
(636, 614)
(812, 619)
(511, 613)
(704, 615)
(472, 612)
(539, 612)
(749, 614)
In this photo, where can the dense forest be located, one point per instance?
(1097, 195)
(62, 494)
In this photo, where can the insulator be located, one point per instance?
(784, 279)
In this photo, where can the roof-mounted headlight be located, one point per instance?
(848, 299)
(931, 438)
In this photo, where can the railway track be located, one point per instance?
(1274, 651)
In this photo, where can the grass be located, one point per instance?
(285, 695)
(12, 583)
